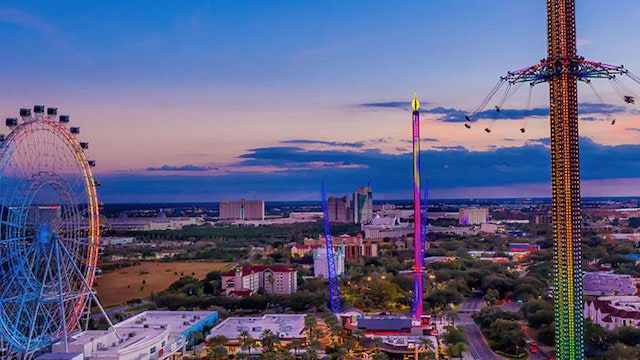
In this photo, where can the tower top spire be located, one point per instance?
(415, 103)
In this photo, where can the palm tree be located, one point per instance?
(312, 350)
(217, 340)
(377, 341)
(359, 335)
(269, 340)
(309, 323)
(295, 344)
(380, 355)
(219, 352)
(247, 341)
(193, 338)
(215, 343)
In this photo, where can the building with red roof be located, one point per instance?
(246, 280)
(611, 312)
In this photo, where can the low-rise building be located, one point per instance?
(246, 280)
(298, 250)
(473, 216)
(286, 327)
(149, 223)
(148, 335)
(603, 283)
(355, 247)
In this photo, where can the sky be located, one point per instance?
(213, 100)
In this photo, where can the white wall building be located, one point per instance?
(286, 326)
(320, 266)
(151, 335)
(611, 312)
(473, 216)
(246, 280)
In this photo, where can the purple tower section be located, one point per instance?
(417, 212)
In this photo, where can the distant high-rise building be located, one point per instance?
(242, 210)
(363, 205)
(339, 209)
(474, 216)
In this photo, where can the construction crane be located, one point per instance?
(334, 291)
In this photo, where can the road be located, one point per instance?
(478, 348)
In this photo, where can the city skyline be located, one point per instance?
(320, 90)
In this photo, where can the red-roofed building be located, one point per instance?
(246, 280)
(355, 247)
(613, 311)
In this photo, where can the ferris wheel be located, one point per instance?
(49, 230)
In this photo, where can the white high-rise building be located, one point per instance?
(320, 266)
(363, 205)
(474, 216)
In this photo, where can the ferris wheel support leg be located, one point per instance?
(35, 313)
(62, 309)
(91, 292)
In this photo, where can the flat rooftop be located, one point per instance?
(283, 325)
(142, 328)
(60, 356)
(382, 322)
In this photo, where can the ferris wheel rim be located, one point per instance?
(74, 303)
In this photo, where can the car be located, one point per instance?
(533, 343)
(533, 350)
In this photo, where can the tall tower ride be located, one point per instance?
(418, 276)
(565, 180)
(562, 69)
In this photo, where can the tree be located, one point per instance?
(620, 351)
(377, 341)
(454, 335)
(247, 341)
(295, 344)
(309, 323)
(219, 352)
(491, 296)
(380, 355)
(195, 337)
(269, 340)
(456, 350)
(217, 340)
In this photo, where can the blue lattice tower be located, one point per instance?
(334, 291)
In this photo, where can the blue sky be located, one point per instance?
(205, 101)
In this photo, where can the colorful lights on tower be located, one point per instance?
(562, 69)
(565, 181)
(417, 241)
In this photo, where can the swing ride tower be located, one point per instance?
(562, 69)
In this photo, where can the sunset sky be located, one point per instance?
(214, 100)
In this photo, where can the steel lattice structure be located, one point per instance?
(334, 290)
(49, 231)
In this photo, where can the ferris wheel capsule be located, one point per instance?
(38, 109)
(64, 119)
(75, 130)
(11, 122)
(51, 113)
(84, 145)
(25, 114)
